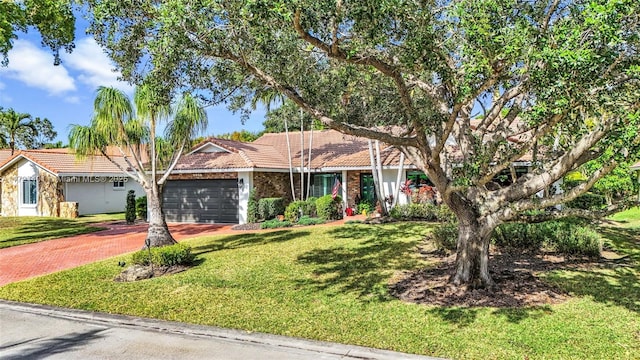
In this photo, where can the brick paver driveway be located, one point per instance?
(31, 260)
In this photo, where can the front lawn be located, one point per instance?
(331, 283)
(30, 229)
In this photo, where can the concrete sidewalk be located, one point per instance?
(35, 332)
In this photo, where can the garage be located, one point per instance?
(201, 201)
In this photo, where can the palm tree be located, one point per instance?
(12, 123)
(116, 122)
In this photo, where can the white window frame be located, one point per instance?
(116, 185)
(22, 193)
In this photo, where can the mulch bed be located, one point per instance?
(515, 274)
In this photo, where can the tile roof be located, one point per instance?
(4, 155)
(62, 161)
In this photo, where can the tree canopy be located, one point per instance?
(53, 19)
(465, 88)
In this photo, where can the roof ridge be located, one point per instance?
(246, 158)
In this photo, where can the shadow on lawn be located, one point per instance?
(364, 267)
(245, 240)
(617, 282)
(45, 229)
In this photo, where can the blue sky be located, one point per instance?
(64, 94)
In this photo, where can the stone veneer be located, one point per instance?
(50, 194)
(10, 191)
(69, 210)
(274, 184)
(353, 185)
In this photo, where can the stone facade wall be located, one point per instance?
(69, 210)
(273, 184)
(353, 185)
(50, 194)
(10, 191)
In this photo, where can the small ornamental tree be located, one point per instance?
(132, 130)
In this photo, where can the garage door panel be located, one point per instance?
(206, 201)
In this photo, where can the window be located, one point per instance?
(118, 185)
(322, 184)
(418, 178)
(29, 192)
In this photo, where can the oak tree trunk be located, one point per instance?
(158, 233)
(472, 255)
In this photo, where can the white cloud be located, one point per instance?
(93, 66)
(34, 67)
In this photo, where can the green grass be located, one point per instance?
(30, 229)
(330, 283)
(629, 218)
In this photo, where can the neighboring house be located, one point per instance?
(212, 183)
(35, 182)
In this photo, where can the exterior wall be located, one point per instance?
(353, 186)
(100, 196)
(50, 194)
(246, 179)
(389, 178)
(10, 192)
(275, 184)
(389, 184)
(26, 170)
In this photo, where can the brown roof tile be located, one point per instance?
(62, 161)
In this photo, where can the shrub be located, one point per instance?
(274, 224)
(520, 236)
(567, 236)
(178, 254)
(141, 207)
(329, 208)
(306, 220)
(252, 208)
(308, 208)
(421, 211)
(445, 236)
(572, 239)
(365, 206)
(130, 209)
(269, 208)
(587, 201)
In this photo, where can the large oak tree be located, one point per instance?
(463, 87)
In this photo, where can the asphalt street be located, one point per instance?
(43, 332)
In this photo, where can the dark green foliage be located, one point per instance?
(252, 208)
(329, 208)
(274, 224)
(365, 206)
(567, 236)
(422, 211)
(587, 201)
(308, 208)
(269, 208)
(130, 209)
(521, 235)
(306, 220)
(445, 236)
(178, 254)
(141, 207)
